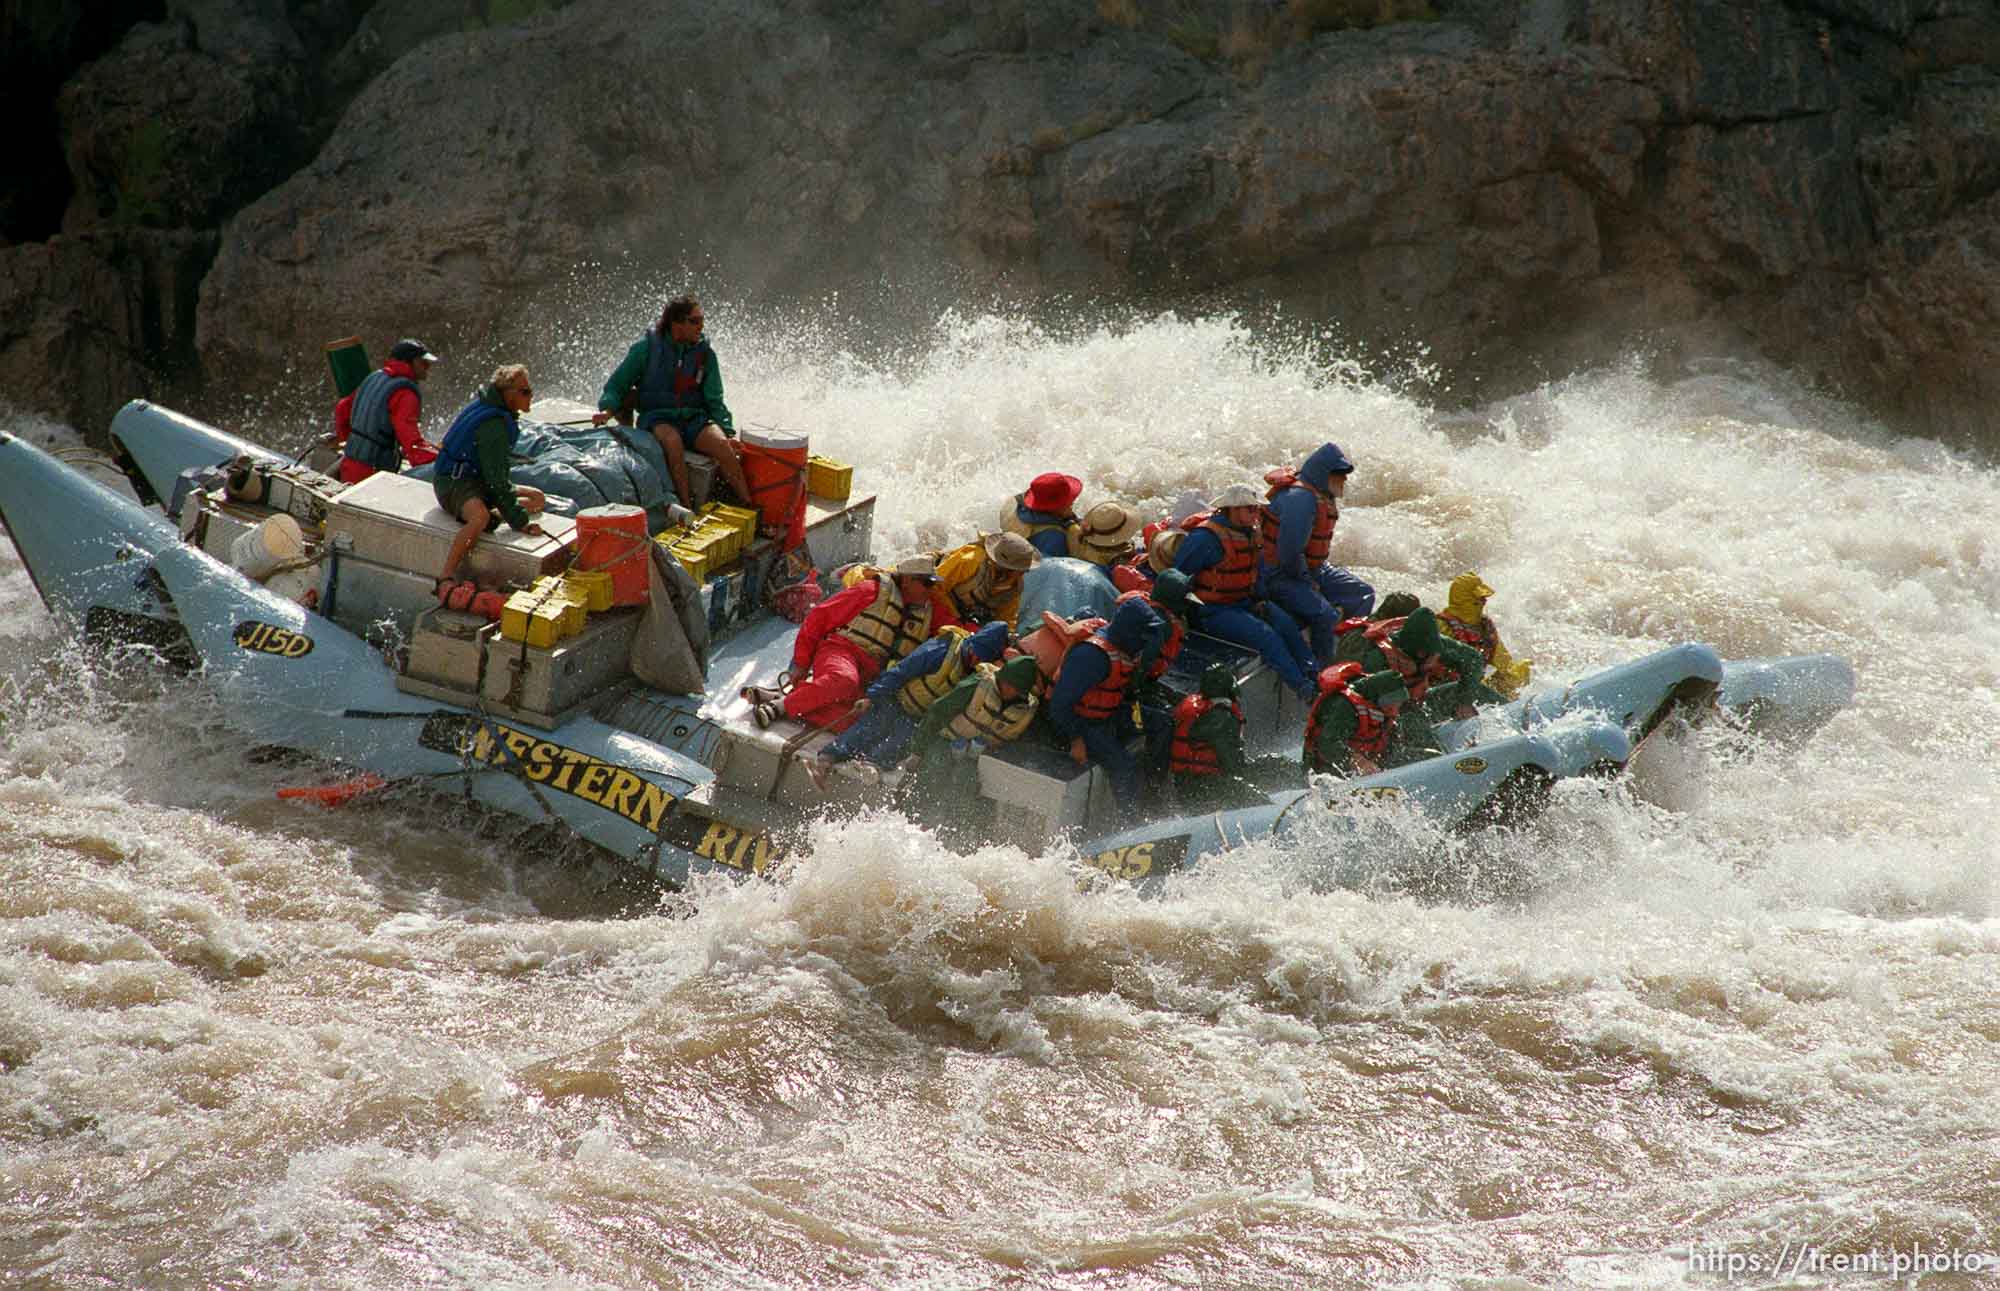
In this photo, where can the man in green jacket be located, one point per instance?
(995, 705)
(672, 377)
(1442, 675)
(472, 480)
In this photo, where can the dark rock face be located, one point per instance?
(1520, 186)
(43, 43)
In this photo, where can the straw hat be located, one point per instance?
(1010, 551)
(1108, 527)
(1162, 547)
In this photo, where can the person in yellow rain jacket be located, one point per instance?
(982, 579)
(1464, 617)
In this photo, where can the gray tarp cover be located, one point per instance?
(591, 466)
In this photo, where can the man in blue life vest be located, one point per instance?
(1300, 512)
(472, 482)
(1091, 704)
(899, 697)
(1045, 512)
(376, 424)
(1220, 555)
(672, 376)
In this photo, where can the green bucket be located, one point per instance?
(348, 360)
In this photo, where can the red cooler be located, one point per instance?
(774, 465)
(613, 538)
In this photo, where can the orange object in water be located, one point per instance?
(774, 465)
(613, 538)
(334, 795)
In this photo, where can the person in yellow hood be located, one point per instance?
(1464, 617)
(982, 579)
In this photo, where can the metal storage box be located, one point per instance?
(543, 686)
(445, 647)
(394, 520)
(841, 534)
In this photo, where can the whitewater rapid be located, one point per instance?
(1743, 1003)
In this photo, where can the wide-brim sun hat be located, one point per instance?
(1162, 548)
(1108, 526)
(916, 567)
(1052, 491)
(1010, 551)
(1236, 495)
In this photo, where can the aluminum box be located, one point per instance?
(394, 520)
(543, 686)
(445, 649)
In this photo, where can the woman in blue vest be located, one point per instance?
(472, 481)
(679, 388)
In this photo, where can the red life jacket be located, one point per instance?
(1127, 578)
(1234, 577)
(1320, 540)
(1190, 756)
(1170, 649)
(1430, 670)
(1371, 736)
(1479, 636)
(1107, 696)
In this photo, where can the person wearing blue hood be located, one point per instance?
(900, 696)
(1298, 518)
(1091, 704)
(1220, 555)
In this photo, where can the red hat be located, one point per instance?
(1052, 491)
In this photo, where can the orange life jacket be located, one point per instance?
(1417, 681)
(1320, 541)
(1371, 736)
(1234, 577)
(1108, 695)
(1127, 578)
(1188, 755)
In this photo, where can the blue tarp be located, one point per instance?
(590, 466)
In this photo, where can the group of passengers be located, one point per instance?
(926, 661)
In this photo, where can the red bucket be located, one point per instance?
(774, 465)
(613, 537)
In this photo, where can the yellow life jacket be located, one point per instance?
(991, 718)
(919, 694)
(888, 629)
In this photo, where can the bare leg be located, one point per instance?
(475, 516)
(712, 441)
(677, 466)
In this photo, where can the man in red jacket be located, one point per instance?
(376, 425)
(848, 638)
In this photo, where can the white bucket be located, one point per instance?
(271, 544)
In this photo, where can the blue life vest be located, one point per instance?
(671, 388)
(372, 439)
(458, 456)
